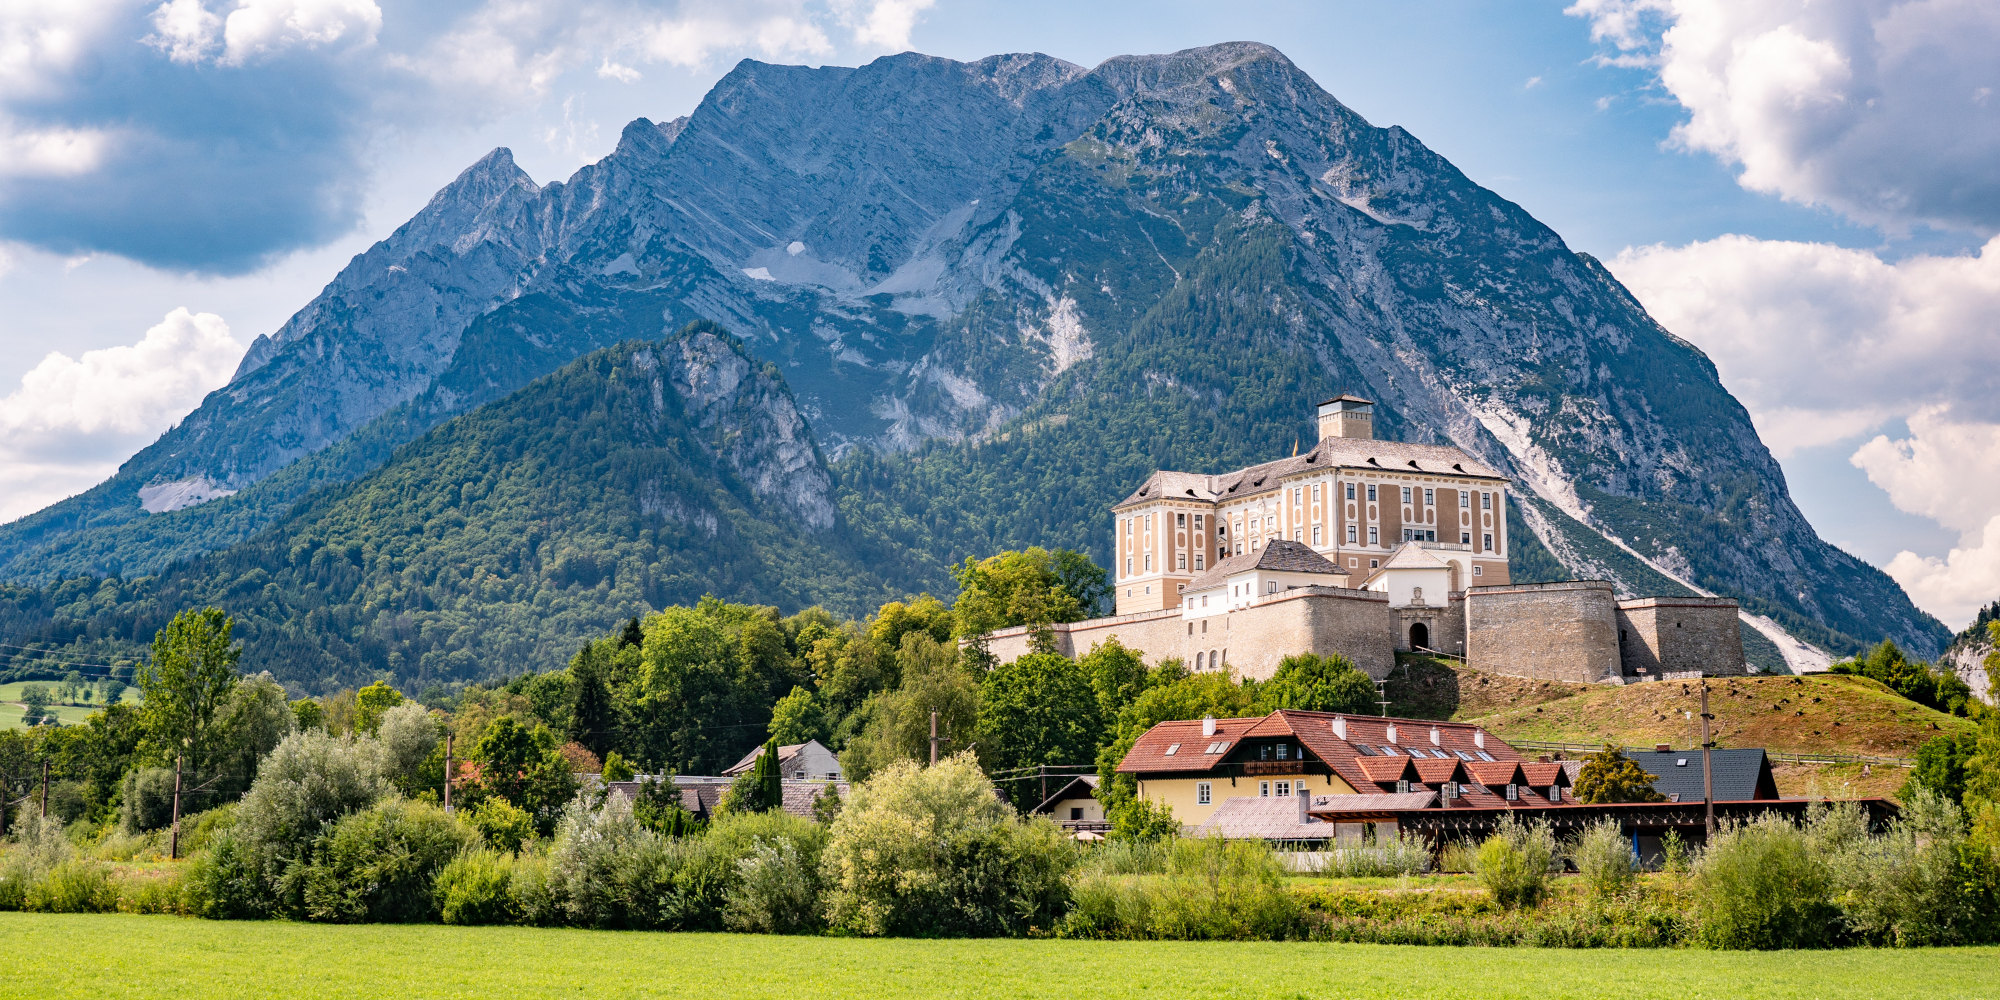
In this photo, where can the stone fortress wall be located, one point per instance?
(1577, 631)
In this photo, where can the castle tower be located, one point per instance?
(1346, 416)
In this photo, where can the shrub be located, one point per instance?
(310, 779)
(1513, 864)
(160, 890)
(1763, 885)
(1604, 858)
(504, 827)
(377, 865)
(78, 885)
(529, 890)
(1459, 857)
(226, 882)
(1206, 888)
(476, 888)
(201, 829)
(932, 852)
(1405, 854)
(407, 734)
(1924, 882)
(39, 848)
(776, 892)
(148, 802)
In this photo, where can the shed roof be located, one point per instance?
(1740, 774)
(1266, 818)
(1279, 556)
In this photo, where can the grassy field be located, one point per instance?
(140, 957)
(11, 707)
(1816, 713)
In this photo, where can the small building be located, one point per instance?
(1739, 774)
(808, 761)
(1074, 806)
(701, 794)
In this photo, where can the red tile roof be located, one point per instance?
(1380, 769)
(1501, 773)
(1542, 774)
(1315, 732)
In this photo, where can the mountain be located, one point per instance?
(1966, 656)
(1003, 291)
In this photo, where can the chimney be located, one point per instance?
(1208, 725)
(1663, 748)
(1305, 802)
(1346, 416)
(1437, 739)
(1340, 726)
(1392, 733)
(1479, 738)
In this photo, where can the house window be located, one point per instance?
(1284, 789)
(1402, 785)
(1263, 789)
(1485, 501)
(1283, 750)
(1350, 541)
(1203, 793)
(1076, 812)
(1374, 535)
(1555, 793)
(1513, 792)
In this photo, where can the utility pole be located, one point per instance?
(447, 774)
(1707, 775)
(1045, 783)
(933, 737)
(174, 843)
(1382, 696)
(45, 789)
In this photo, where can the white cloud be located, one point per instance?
(72, 420)
(613, 71)
(1949, 471)
(262, 27)
(185, 31)
(1955, 587)
(40, 40)
(885, 23)
(30, 151)
(1877, 109)
(1822, 342)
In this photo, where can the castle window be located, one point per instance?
(1350, 534)
(1406, 494)
(1485, 501)
(1350, 491)
(1374, 563)
(1430, 497)
(1464, 499)
(1478, 571)
(1200, 660)
(1180, 520)
(1149, 562)
(1128, 565)
(1315, 534)
(1182, 559)
(1198, 555)
(1465, 538)
(1197, 523)
(1371, 492)
(1373, 535)
(1487, 542)
(1299, 534)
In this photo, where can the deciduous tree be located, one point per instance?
(1610, 776)
(192, 672)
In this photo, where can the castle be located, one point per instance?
(1367, 548)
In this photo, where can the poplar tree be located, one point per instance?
(182, 690)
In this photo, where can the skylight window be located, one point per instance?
(1388, 751)
(1462, 755)
(1365, 750)
(1483, 755)
(1218, 746)
(1171, 750)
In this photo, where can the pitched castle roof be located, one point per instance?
(1343, 453)
(1280, 556)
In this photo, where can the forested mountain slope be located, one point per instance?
(642, 475)
(1003, 292)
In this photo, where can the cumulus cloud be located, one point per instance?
(213, 135)
(73, 419)
(1949, 471)
(1827, 102)
(1822, 342)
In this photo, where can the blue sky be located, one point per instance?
(1801, 189)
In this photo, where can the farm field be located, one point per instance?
(143, 957)
(10, 705)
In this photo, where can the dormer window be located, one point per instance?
(1402, 785)
(1283, 751)
(1513, 792)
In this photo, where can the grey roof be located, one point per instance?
(1350, 453)
(1280, 555)
(815, 761)
(1739, 774)
(1263, 818)
(700, 794)
(1386, 802)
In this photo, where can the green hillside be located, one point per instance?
(503, 539)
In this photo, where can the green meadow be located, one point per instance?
(121, 956)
